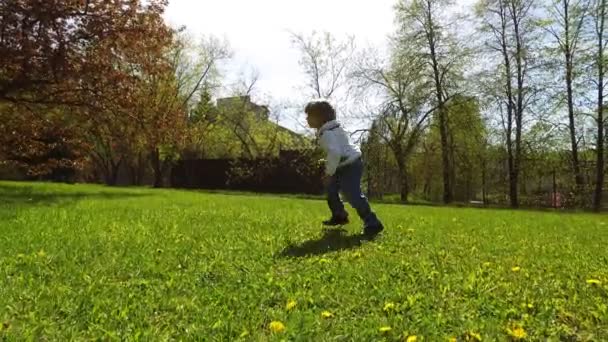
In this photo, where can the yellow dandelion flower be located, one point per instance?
(593, 281)
(530, 306)
(452, 339)
(276, 327)
(385, 329)
(473, 336)
(291, 304)
(412, 338)
(516, 269)
(517, 333)
(389, 306)
(327, 314)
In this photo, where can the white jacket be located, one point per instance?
(336, 143)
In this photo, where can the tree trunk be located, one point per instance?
(441, 112)
(483, 183)
(512, 165)
(600, 168)
(600, 172)
(137, 170)
(519, 110)
(403, 181)
(452, 161)
(157, 167)
(468, 187)
(112, 173)
(568, 54)
(513, 175)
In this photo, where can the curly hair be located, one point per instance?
(323, 107)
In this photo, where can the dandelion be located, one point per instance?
(517, 333)
(516, 269)
(412, 338)
(384, 330)
(473, 336)
(452, 339)
(593, 281)
(389, 306)
(276, 327)
(291, 304)
(327, 314)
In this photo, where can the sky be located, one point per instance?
(258, 34)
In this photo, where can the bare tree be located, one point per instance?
(508, 27)
(566, 29)
(196, 65)
(403, 114)
(325, 61)
(599, 21)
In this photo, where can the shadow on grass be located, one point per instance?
(27, 195)
(332, 240)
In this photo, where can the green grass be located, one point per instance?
(88, 262)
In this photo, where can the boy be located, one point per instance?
(343, 168)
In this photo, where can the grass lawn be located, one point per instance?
(81, 262)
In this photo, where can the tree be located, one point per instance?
(53, 143)
(566, 29)
(167, 98)
(599, 23)
(404, 113)
(40, 48)
(508, 27)
(83, 59)
(378, 161)
(325, 61)
(237, 127)
(423, 24)
(468, 139)
(468, 144)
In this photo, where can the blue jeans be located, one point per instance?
(348, 180)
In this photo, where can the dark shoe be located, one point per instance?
(372, 231)
(336, 221)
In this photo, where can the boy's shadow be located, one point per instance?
(332, 240)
